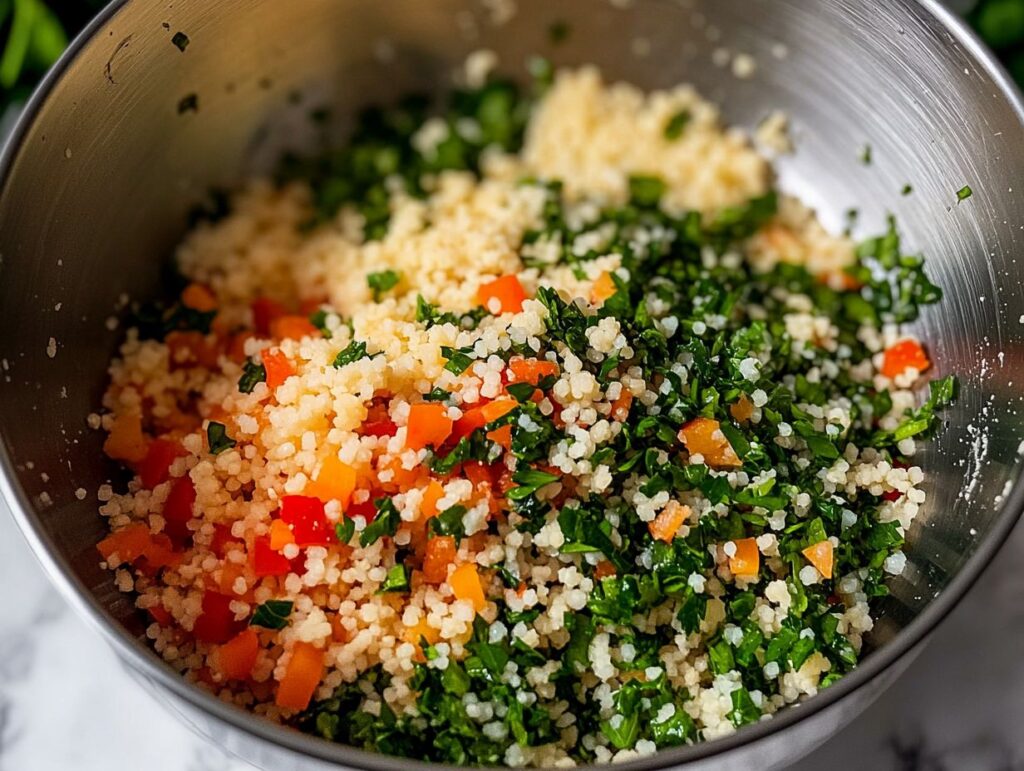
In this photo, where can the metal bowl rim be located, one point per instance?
(145, 662)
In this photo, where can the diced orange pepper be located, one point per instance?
(126, 441)
(902, 356)
(280, 535)
(602, 288)
(129, 543)
(471, 420)
(502, 436)
(746, 562)
(429, 425)
(431, 495)
(620, 407)
(199, 298)
(292, 328)
(840, 280)
(335, 481)
(402, 478)
(498, 408)
(603, 569)
(703, 436)
(506, 290)
(465, 584)
(665, 526)
(478, 417)
(236, 658)
(278, 367)
(531, 370)
(339, 633)
(741, 409)
(441, 550)
(422, 631)
(229, 573)
(820, 555)
(302, 675)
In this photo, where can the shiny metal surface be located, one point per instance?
(98, 178)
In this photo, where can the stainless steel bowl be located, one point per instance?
(106, 161)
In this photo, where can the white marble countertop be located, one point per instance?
(67, 704)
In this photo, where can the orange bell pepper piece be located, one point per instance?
(821, 556)
(746, 562)
(506, 290)
(703, 436)
(302, 675)
(902, 356)
(429, 425)
(465, 583)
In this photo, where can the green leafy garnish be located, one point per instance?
(252, 374)
(384, 524)
(272, 614)
(382, 282)
(218, 439)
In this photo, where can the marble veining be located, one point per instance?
(66, 703)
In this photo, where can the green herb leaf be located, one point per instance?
(458, 359)
(252, 374)
(397, 580)
(344, 530)
(382, 282)
(217, 438)
(384, 524)
(353, 352)
(677, 123)
(273, 614)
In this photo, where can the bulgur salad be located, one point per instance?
(537, 430)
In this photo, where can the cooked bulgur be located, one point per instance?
(539, 431)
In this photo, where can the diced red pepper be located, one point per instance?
(155, 468)
(221, 538)
(307, 519)
(366, 510)
(264, 311)
(178, 509)
(216, 624)
(159, 614)
(378, 428)
(266, 561)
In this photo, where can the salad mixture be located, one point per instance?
(538, 430)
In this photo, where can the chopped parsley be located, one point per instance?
(272, 614)
(252, 374)
(382, 282)
(353, 352)
(458, 359)
(677, 124)
(396, 580)
(384, 524)
(964, 193)
(217, 438)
